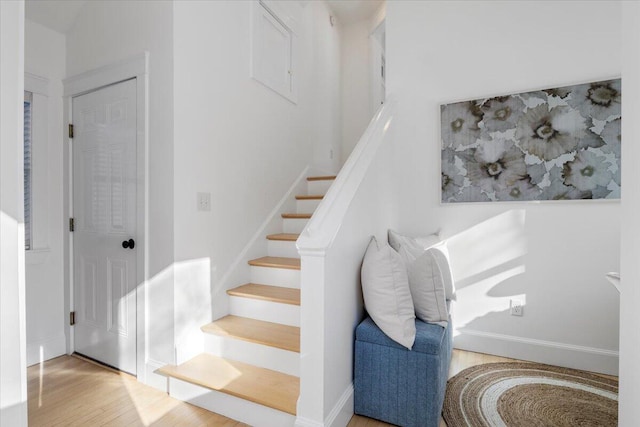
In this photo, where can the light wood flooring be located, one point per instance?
(69, 391)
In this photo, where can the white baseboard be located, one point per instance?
(340, 414)
(541, 351)
(342, 411)
(159, 382)
(46, 349)
(305, 422)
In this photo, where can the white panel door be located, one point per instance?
(104, 206)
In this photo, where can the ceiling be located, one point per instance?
(349, 11)
(58, 15)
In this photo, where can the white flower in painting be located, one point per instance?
(471, 194)
(452, 180)
(536, 172)
(496, 165)
(599, 100)
(612, 136)
(559, 92)
(587, 171)
(520, 191)
(459, 124)
(559, 191)
(545, 94)
(590, 139)
(600, 192)
(548, 134)
(501, 113)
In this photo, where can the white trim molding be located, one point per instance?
(342, 411)
(36, 84)
(541, 351)
(136, 67)
(109, 74)
(340, 414)
(238, 271)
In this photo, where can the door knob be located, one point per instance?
(128, 244)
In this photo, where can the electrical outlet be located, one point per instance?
(204, 202)
(516, 307)
(331, 154)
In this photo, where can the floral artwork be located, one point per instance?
(552, 144)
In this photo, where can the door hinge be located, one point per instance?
(72, 318)
(72, 224)
(70, 130)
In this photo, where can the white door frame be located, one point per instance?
(136, 67)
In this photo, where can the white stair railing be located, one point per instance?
(360, 203)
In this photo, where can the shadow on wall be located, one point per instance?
(483, 257)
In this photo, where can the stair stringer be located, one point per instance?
(257, 246)
(238, 272)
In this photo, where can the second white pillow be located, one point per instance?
(427, 288)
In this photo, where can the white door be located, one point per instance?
(104, 210)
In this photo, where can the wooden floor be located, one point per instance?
(68, 391)
(460, 360)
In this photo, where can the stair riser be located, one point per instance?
(307, 206)
(282, 248)
(230, 406)
(318, 187)
(267, 311)
(276, 359)
(275, 276)
(291, 225)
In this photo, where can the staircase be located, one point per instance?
(250, 367)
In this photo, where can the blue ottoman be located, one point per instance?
(399, 386)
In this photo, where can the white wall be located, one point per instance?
(45, 58)
(13, 378)
(356, 63)
(238, 140)
(323, 79)
(629, 410)
(552, 255)
(106, 32)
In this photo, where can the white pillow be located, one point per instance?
(411, 248)
(427, 288)
(387, 298)
(441, 253)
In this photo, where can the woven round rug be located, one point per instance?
(529, 394)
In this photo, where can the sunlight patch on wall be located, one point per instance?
(483, 257)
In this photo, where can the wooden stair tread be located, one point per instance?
(321, 178)
(285, 237)
(271, 334)
(296, 215)
(267, 293)
(309, 197)
(276, 262)
(263, 386)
